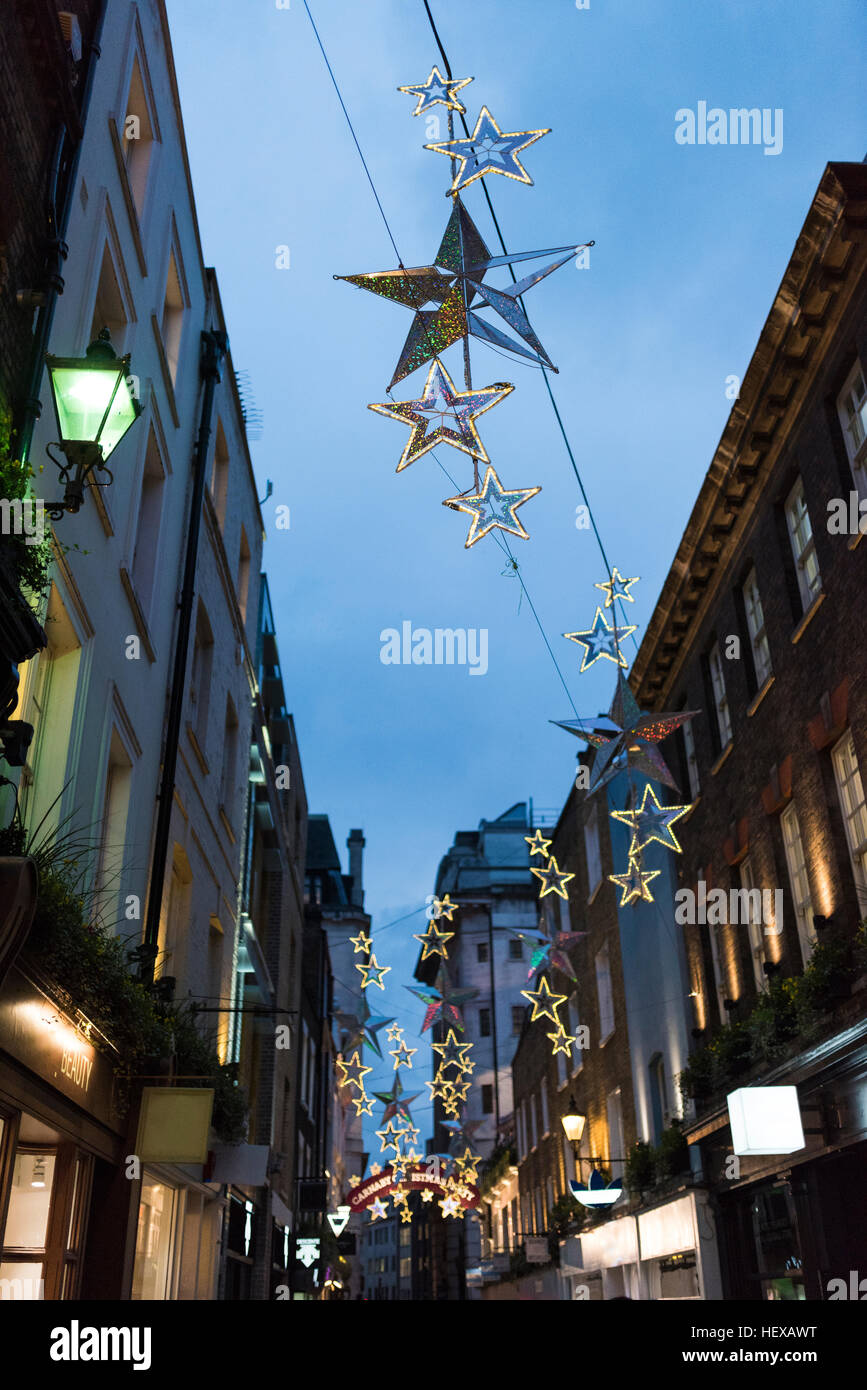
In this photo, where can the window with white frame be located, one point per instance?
(720, 699)
(756, 628)
(144, 562)
(118, 780)
(715, 936)
(175, 301)
(799, 881)
(803, 545)
(546, 1123)
(850, 790)
(758, 940)
(138, 133)
(852, 412)
(603, 992)
(691, 759)
(614, 1107)
(591, 849)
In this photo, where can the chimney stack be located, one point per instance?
(355, 844)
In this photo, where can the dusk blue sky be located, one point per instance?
(691, 244)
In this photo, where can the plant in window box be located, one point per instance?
(640, 1170)
(731, 1054)
(566, 1216)
(671, 1156)
(696, 1081)
(828, 976)
(774, 1021)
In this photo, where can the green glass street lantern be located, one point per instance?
(94, 407)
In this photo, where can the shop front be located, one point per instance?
(59, 1132)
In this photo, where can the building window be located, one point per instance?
(690, 759)
(243, 574)
(109, 309)
(852, 412)
(798, 880)
(482, 952)
(144, 560)
(517, 1019)
(714, 932)
(803, 545)
(155, 1240)
(229, 776)
(137, 137)
(758, 949)
(543, 1095)
(200, 678)
(487, 1100)
(220, 474)
(484, 1023)
(591, 850)
(174, 307)
(614, 1107)
(720, 699)
(118, 779)
(53, 680)
(516, 948)
(850, 790)
(756, 628)
(522, 1132)
(603, 994)
(658, 1096)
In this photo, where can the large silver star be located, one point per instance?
(493, 507)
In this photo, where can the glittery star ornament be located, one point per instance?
(552, 878)
(372, 972)
(362, 1028)
(433, 941)
(617, 587)
(537, 842)
(545, 1002)
(437, 91)
(443, 1002)
(443, 415)
(652, 822)
(395, 1102)
(549, 950)
(601, 640)
(492, 508)
(488, 150)
(633, 884)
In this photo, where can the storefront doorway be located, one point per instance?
(46, 1181)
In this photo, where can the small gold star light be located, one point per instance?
(452, 1052)
(538, 844)
(552, 878)
(389, 1137)
(545, 1003)
(617, 587)
(402, 1055)
(434, 941)
(378, 1209)
(427, 1194)
(353, 1071)
(601, 640)
(394, 1032)
(633, 884)
(468, 1164)
(405, 1214)
(449, 1206)
(561, 1040)
(444, 907)
(355, 1180)
(360, 943)
(372, 972)
(375, 1170)
(437, 91)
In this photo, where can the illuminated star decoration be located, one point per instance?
(545, 1002)
(449, 1205)
(453, 284)
(355, 1180)
(488, 150)
(633, 883)
(443, 415)
(552, 878)
(362, 1030)
(602, 639)
(442, 1001)
(437, 91)
(562, 1041)
(462, 1132)
(395, 1102)
(353, 1071)
(629, 737)
(394, 1033)
(389, 1137)
(360, 943)
(617, 587)
(537, 842)
(405, 1214)
(492, 507)
(375, 1170)
(427, 1194)
(363, 1104)
(467, 1165)
(439, 1087)
(402, 1055)
(444, 907)
(372, 972)
(452, 1052)
(434, 941)
(550, 949)
(652, 822)
(378, 1209)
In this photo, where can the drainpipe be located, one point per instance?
(56, 253)
(215, 345)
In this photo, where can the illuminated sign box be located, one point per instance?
(174, 1124)
(765, 1120)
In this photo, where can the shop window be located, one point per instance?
(46, 1218)
(155, 1240)
(799, 881)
